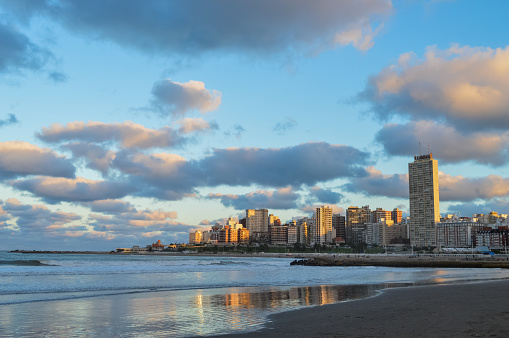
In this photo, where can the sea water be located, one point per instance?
(150, 295)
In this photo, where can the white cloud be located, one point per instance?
(466, 86)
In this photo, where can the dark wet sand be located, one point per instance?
(464, 310)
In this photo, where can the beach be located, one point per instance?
(460, 310)
(94, 295)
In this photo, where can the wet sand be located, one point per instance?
(461, 310)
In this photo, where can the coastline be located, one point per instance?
(477, 309)
(327, 259)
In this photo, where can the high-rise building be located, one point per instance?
(338, 223)
(397, 215)
(424, 200)
(355, 219)
(379, 214)
(323, 223)
(257, 222)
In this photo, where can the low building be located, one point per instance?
(457, 234)
(279, 234)
(293, 234)
(494, 239)
(195, 237)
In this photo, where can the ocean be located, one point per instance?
(180, 296)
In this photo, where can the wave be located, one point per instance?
(28, 262)
(228, 263)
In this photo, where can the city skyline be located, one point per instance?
(125, 122)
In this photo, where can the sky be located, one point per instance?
(125, 122)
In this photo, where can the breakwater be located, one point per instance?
(411, 261)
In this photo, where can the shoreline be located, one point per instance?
(474, 309)
(326, 259)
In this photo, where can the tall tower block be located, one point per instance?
(424, 200)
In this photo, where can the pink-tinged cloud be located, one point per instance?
(312, 208)
(448, 144)
(127, 134)
(190, 125)
(19, 158)
(55, 189)
(459, 188)
(176, 99)
(361, 38)
(466, 86)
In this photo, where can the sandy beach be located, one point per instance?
(464, 310)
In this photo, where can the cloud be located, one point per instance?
(377, 184)
(468, 87)
(237, 131)
(121, 225)
(451, 145)
(312, 208)
(191, 125)
(128, 134)
(360, 38)
(171, 177)
(459, 188)
(19, 158)
(161, 175)
(57, 77)
(57, 189)
(36, 218)
(452, 188)
(18, 53)
(282, 198)
(137, 222)
(501, 205)
(192, 28)
(325, 195)
(110, 206)
(176, 99)
(96, 157)
(306, 163)
(11, 120)
(282, 127)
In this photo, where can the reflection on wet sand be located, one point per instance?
(241, 308)
(183, 313)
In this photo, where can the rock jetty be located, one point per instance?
(412, 261)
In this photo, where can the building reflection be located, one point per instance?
(287, 297)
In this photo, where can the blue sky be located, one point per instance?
(125, 122)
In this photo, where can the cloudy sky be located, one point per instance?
(123, 122)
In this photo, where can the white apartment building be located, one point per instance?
(323, 223)
(257, 222)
